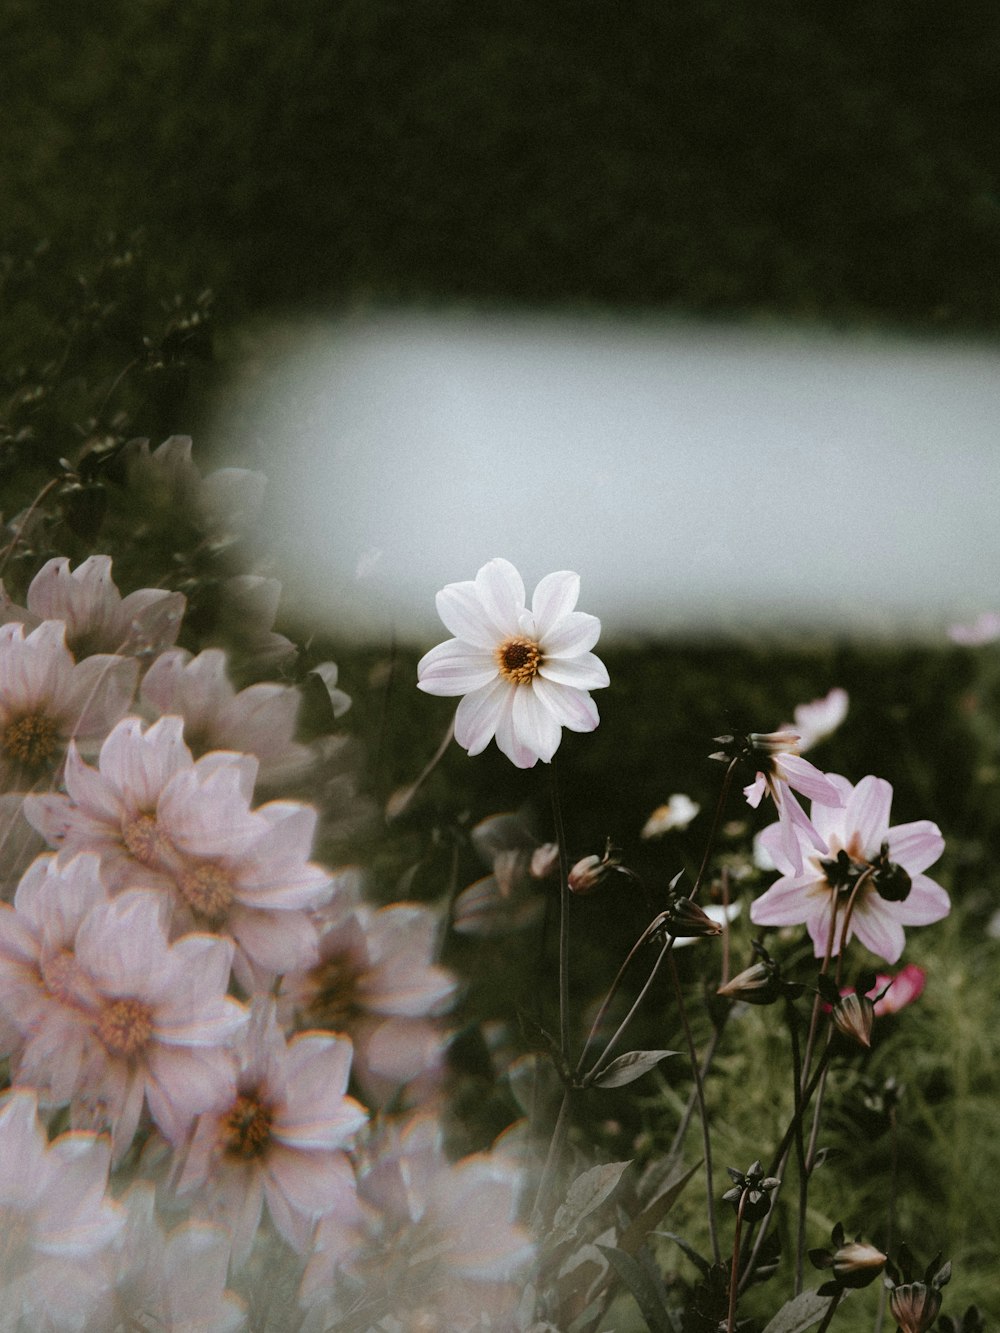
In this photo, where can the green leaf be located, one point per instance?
(587, 1193)
(800, 1313)
(655, 1211)
(627, 1068)
(646, 1289)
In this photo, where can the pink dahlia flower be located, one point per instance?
(376, 982)
(259, 720)
(524, 674)
(444, 1247)
(860, 856)
(55, 1219)
(121, 1017)
(281, 1136)
(158, 818)
(97, 618)
(46, 698)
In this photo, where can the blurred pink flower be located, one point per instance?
(281, 1137)
(97, 618)
(444, 1247)
(984, 629)
(524, 674)
(376, 982)
(46, 698)
(158, 818)
(508, 899)
(55, 1219)
(816, 720)
(173, 1281)
(120, 1016)
(259, 720)
(858, 849)
(905, 987)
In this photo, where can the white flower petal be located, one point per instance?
(571, 635)
(455, 668)
(501, 593)
(535, 725)
(555, 597)
(585, 672)
(509, 742)
(572, 708)
(478, 714)
(462, 611)
(868, 815)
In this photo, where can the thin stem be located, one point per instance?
(734, 1272)
(817, 1002)
(700, 1088)
(599, 1062)
(799, 1146)
(692, 1100)
(614, 991)
(890, 1224)
(847, 918)
(538, 1213)
(830, 1311)
(557, 819)
(719, 807)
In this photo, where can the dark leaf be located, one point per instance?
(627, 1068)
(649, 1293)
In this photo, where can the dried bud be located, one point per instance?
(853, 1015)
(758, 984)
(544, 860)
(750, 1195)
(684, 919)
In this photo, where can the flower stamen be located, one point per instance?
(144, 841)
(31, 740)
(125, 1026)
(246, 1128)
(519, 659)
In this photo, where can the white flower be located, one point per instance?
(524, 674)
(676, 814)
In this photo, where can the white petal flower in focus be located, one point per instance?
(524, 674)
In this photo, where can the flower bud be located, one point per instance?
(588, 874)
(914, 1306)
(854, 1015)
(758, 984)
(854, 1263)
(544, 860)
(684, 919)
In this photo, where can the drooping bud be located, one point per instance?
(854, 1016)
(751, 1191)
(854, 1263)
(590, 872)
(684, 920)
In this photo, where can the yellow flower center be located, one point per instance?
(125, 1026)
(519, 659)
(144, 840)
(246, 1128)
(334, 986)
(207, 890)
(31, 740)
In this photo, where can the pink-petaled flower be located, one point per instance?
(46, 698)
(984, 629)
(159, 818)
(861, 862)
(259, 720)
(97, 618)
(123, 1017)
(55, 1219)
(898, 991)
(818, 719)
(524, 674)
(376, 982)
(444, 1248)
(781, 771)
(158, 1280)
(281, 1137)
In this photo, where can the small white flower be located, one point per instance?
(524, 674)
(676, 814)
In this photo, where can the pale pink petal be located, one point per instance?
(755, 791)
(807, 778)
(868, 813)
(400, 1050)
(455, 668)
(463, 613)
(122, 943)
(555, 596)
(102, 690)
(313, 1182)
(478, 713)
(586, 672)
(141, 764)
(182, 1083)
(570, 636)
(790, 901)
(316, 1114)
(501, 593)
(535, 727)
(278, 942)
(915, 846)
(926, 903)
(571, 708)
(830, 820)
(878, 929)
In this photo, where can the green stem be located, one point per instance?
(700, 1088)
(734, 1272)
(599, 1062)
(557, 819)
(719, 807)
